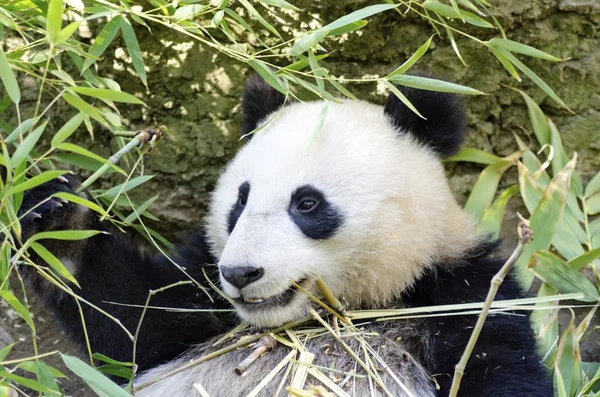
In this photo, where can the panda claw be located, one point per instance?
(62, 200)
(62, 179)
(35, 215)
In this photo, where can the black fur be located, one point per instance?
(444, 129)
(320, 223)
(505, 362)
(259, 100)
(238, 206)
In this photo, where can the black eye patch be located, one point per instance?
(316, 217)
(238, 206)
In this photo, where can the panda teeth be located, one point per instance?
(253, 300)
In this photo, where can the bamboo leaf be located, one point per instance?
(64, 34)
(53, 262)
(65, 235)
(81, 201)
(29, 366)
(21, 130)
(351, 27)
(491, 221)
(524, 49)
(21, 310)
(539, 121)
(302, 63)
(99, 383)
(127, 186)
(68, 129)
(256, 15)
(593, 186)
(54, 20)
(358, 15)
(84, 107)
(101, 43)
(485, 188)
(103, 93)
(593, 205)
(582, 261)
(32, 384)
(35, 181)
(505, 62)
(568, 361)
(84, 152)
(280, 4)
(554, 271)
(189, 11)
(44, 376)
(449, 12)
(547, 214)
(140, 210)
(472, 155)
(412, 60)
(27, 145)
(425, 83)
(8, 78)
(134, 49)
(307, 41)
(5, 350)
(103, 358)
(267, 73)
(403, 99)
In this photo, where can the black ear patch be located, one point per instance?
(444, 129)
(259, 100)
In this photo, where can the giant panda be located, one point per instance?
(361, 202)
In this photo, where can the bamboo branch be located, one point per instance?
(525, 237)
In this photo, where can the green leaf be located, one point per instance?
(412, 60)
(21, 310)
(351, 27)
(127, 186)
(116, 370)
(134, 49)
(81, 201)
(99, 383)
(524, 49)
(534, 77)
(593, 186)
(582, 261)
(24, 127)
(188, 11)
(64, 34)
(44, 376)
(53, 262)
(358, 15)
(140, 210)
(307, 41)
(65, 235)
(425, 83)
(341, 89)
(539, 121)
(267, 73)
(593, 205)
(280, 4)
(29, 366)
(505, 62)
(449, 12)
(101, 43)
(54, 20)
(32, 384)
(568, 372)
(256, 15)
(472, 155)
(8, 78)
(84, 107)
(27, 145)
(491, 221)
(35, 181)
(103, 93)
(403, 99)
(483, 192)
(546, 216)
(5, 350)
(84, 152)
(68, 129)
(554, 271)
(103, 358)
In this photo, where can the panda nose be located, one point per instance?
(241, 276)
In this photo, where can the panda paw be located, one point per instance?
(41, 212)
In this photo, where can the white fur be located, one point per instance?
(399, 214)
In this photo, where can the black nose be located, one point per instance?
(241, 276)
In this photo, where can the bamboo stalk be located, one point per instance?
(525, 237)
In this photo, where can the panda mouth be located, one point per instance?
(280, 299)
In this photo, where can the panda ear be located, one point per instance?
(258, 101)
(444, 128)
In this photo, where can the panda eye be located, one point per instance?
(243, 192)
(307, 205)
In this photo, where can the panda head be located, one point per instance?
(362, 203)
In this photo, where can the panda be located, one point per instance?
(362, 203)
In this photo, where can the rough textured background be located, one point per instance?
(194, 91)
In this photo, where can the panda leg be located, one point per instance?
(114, 275)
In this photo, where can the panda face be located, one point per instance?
(355, 204)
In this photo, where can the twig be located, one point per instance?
(264, 345)
(150, 136)
(525, 237)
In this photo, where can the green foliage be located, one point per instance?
(64, 68)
